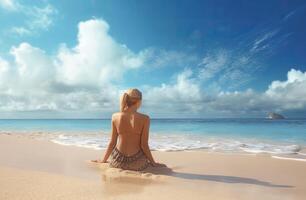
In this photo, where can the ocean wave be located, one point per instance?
(87, 141)
(173, 142)
(159, 142)
(303, 159)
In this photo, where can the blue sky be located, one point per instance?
(190, 58)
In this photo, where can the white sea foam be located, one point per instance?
(94, 141)
(181, 142)
(290, 158)
(174, 142)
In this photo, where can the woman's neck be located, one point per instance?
(131, 109)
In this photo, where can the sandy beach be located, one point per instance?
(39, 169)
(211, 92)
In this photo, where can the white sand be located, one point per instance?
(32, 169)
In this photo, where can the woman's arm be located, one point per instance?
(112, 143)
(145, 143)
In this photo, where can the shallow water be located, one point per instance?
(280, 137)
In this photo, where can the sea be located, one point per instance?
(284, 139)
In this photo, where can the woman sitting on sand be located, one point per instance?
(128, 147)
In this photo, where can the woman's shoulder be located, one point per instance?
(144, 116)
(116, 115)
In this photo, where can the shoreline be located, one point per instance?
(196, 174)
(298, 152)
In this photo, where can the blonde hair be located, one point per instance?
(129, 98)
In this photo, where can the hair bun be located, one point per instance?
(129, 98)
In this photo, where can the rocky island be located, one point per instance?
(275, 116)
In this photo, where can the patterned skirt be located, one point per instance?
(136, 162)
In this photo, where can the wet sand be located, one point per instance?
(39, 169)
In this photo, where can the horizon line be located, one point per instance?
(153, 118)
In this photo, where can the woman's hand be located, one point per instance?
(99, 161)
(155, 164)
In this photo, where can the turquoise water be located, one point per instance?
(252, 135)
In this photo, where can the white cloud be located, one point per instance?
(22, 31)
(158, 58)
(211, 65)
(228, 69)
(97, 59)
(86, 78)
(186, 96)
(290, 94)
(290, 14)
(178, 96)
(75, 78)
(4, 73)
(281, 96)
(35, 18)
(41, 18)
(34, 67)
(262, 42)
(8, 5)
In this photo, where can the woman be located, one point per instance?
(128, 147)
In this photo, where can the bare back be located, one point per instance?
(129, 126)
